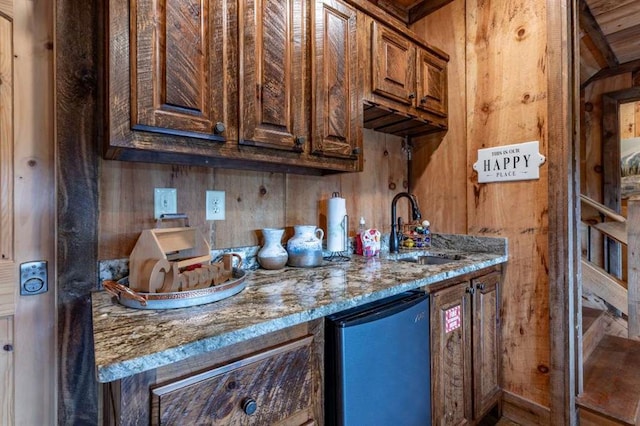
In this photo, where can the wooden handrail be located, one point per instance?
(599, 282)
(603, 209)
(615, 230)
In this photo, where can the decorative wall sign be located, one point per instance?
(505, 163)
(452, 319)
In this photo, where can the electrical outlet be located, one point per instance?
(215, 205)
(164, 201)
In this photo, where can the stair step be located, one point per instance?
(612, 382)
(593, 328)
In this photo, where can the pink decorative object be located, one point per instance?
(370, 242)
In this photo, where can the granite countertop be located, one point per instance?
(129, 341)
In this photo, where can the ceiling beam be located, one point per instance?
(590, 26)
(631, 66)
(424, 8)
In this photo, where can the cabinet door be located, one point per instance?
(177, 67)
(272, 72)
(265, 388)
(451, 355)
(486, 341)
(431, 83)
(336, 132)
(393, 59)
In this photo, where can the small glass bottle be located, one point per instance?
(361, 230)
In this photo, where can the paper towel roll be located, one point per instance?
(336, 224)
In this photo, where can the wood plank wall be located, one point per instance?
(630, 120)
(504, 103)
(438, 172)
(254, 199)
(507, 103)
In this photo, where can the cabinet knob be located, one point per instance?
(480, 286)
(412, 95)
(298, 143)
(218, 128)
(356, 150)
(249, 406)
(470, 290)
(423, 100)
(8, 348)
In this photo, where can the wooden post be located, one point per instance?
(633, 262)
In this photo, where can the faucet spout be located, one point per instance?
(415, 213)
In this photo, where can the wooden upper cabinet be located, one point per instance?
(272, 68)
(336, 119)
(394, 65)
(431, 83)
(405, 81)
(177, 67)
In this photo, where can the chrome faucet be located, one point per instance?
(415, 213)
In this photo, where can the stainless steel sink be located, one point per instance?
(431, 259)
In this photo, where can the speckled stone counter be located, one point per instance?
(129, 341)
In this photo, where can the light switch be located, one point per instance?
(165, 202)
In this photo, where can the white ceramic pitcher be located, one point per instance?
(305, 247)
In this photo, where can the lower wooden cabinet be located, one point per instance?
(465, 352)
(272, 380)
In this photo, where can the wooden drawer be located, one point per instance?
(277, 383)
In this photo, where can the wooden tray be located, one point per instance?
(179, 299)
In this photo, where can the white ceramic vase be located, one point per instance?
(272, 255)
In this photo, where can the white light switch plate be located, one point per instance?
(165, 201)
(215, 205)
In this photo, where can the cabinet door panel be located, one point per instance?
(272, 90)
(261, 389)
(176, 52)
(394, 63)
(451, 355)
(335, 59)
(486, 350)
(432, 84)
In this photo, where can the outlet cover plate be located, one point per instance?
(215, 205)
(165, 201)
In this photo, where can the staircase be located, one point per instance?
(611, 364)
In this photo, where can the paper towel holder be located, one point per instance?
(341, 256)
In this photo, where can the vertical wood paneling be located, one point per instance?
(78, 117)
(438, 173)
(507, 104)
(561, 65)
(628, 120)
(254, 200)
(8, 268)
(35, 359)
(6, 138)
(369, 193)
(6, 371)
(126, 201)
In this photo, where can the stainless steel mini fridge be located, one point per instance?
(378, 364)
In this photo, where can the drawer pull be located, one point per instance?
(249, 406)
